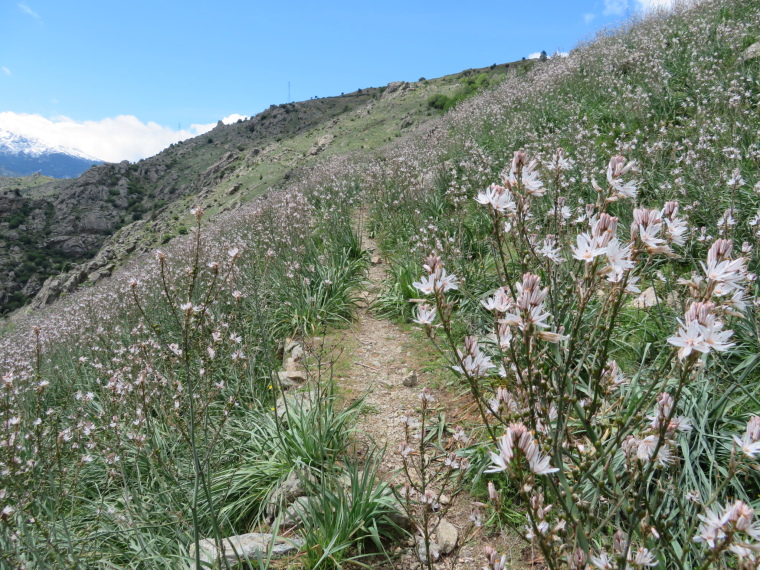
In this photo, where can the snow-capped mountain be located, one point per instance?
(21, 155)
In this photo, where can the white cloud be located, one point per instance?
(6, 70)
(615, 7)
(535, 55)
(27, 10)
(234, 118)
(113, 139)
(560, 54)
(588, 18)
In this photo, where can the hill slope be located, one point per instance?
(90, 225)
(589, 324)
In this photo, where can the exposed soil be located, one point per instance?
(384, 354)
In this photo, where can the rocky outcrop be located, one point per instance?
(321, 144)
(394, 87)
(218, 171)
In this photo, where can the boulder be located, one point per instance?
(95, 222)
(303, 400)
(297, 353)
(399, 517)
(648, 298)
(288, 491)
(294, 513)
(422, 555)
(291, 378)
(244, 547)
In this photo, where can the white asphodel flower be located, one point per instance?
(518, 436)
(425, 315)
(690, 338)
(498, 198)
(587, 249)
(750, 443)
(426, 284)
(618, 260)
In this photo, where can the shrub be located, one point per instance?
(573, 428)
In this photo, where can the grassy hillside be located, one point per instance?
(578, 245)
(115, 210)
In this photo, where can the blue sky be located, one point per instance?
(121, 79)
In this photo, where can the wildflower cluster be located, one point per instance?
(542, 366)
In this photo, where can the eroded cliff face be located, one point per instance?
(41, 237)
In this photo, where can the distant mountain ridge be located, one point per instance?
(21, 156)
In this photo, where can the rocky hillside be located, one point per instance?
(58, 235)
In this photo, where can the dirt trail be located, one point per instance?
(377, 368)
(383, 358)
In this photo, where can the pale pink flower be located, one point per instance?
(500, 302)
(618, 260)
(426, 284)
(550, 250)
(603, 561)
(643, 557)
(750, 443)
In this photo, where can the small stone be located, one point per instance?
(435, 551)
(376, 260)
(447, 536)
(410, 380)
(647, 299)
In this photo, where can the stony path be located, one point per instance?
(378, 367)
(383, 358)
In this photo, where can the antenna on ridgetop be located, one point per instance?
(288, 91)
